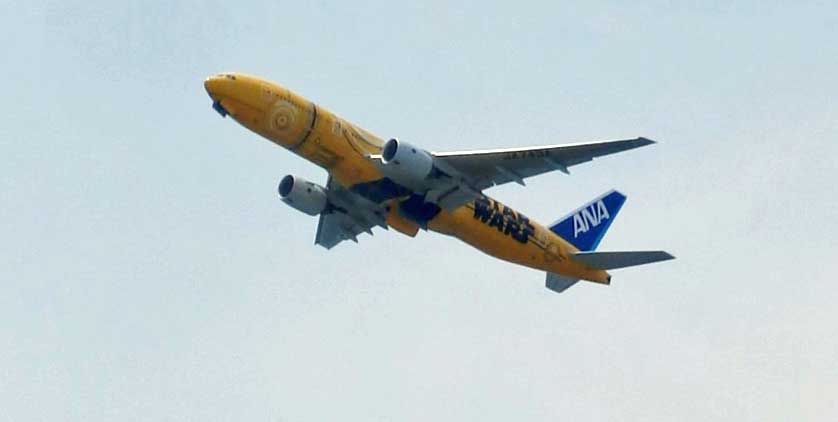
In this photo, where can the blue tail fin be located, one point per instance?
(585, 227)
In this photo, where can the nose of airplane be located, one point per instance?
(236, 94)
(213, 85)
(219, 87)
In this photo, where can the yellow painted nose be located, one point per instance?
(210, 84)
(219, 85)
(239, 96)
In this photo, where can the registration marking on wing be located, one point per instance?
(528, 154)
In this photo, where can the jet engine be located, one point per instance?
(303, 195)
(405, 162)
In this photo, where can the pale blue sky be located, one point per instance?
(150, 273)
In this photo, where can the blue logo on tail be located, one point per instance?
(585, 227)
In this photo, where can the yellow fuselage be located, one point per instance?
(342, 148)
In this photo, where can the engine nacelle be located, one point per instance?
(406, 163)
(303, 195)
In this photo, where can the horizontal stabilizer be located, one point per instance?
(614, 260)
(559, 283)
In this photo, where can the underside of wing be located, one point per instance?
(487, 168)
(350, 216)
(336, 227)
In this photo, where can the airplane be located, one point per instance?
(376, 183)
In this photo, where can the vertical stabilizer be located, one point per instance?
(585, 227)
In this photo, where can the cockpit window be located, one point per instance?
(227, 76)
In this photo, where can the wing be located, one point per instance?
(486, 168)
(350, 216)
(334, 228)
